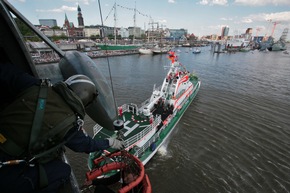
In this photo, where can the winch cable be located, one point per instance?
(107, 55)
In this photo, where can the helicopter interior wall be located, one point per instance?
(12, 47)
(50, 71)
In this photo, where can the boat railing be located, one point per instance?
(97, 128)
(132, 140)
(152, 140)
(126, 107)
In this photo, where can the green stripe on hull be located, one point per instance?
(169, 128)
(117, 47)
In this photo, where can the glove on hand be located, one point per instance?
(116, 144)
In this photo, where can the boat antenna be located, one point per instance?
(108, 61)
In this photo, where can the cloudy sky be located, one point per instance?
(200, 17)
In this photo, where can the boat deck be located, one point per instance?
(133, 124)
(136, 122)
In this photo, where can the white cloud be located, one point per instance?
(162, 21)
(283, 17)
(63, 8)
(203, 2)
(85, 2)
(216, 27)
(247, 20)
(213, 2)
(219, 2)
(226, 19)
(265, 22)
(171, 1)
(262, 2)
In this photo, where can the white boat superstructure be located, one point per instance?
(161, 50)
(174, 91)
(145, 51)
(237, 43)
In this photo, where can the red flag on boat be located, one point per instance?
(172, 56)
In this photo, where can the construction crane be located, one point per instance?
(258, 30)
(274, 26)
(152, 24)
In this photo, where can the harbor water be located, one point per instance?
(234, 137)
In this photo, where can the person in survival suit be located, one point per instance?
(29, 149)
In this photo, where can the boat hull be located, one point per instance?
(145, 51)
(170, 127)
(117, 47)
(161, 50)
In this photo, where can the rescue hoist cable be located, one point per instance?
(106, 49)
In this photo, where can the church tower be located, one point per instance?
(69, 26)
(80, 17)
(66, 22)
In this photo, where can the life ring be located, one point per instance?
(142, 178)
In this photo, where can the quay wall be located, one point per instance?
(75, 46)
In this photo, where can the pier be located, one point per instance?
(42, 53)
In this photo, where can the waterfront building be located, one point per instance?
(249, 31)
(91, 31)
(109, 31)
(123, 32)
(177, 34)
(248, 34)
(213, 37)
(48, 22)
(53, 32)
(135, 31)
(225, 32)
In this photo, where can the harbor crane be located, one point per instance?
(258, 30)
(153, 23)
(274, 26)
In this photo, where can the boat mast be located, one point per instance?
(134, 24)
(115, 23)
(150, 22)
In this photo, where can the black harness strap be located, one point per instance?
(39, 112)
(37, 125)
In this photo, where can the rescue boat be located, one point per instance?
(144, 128)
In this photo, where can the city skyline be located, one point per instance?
(202, 17)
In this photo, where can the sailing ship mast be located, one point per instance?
(115, 23)
(134, 24)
